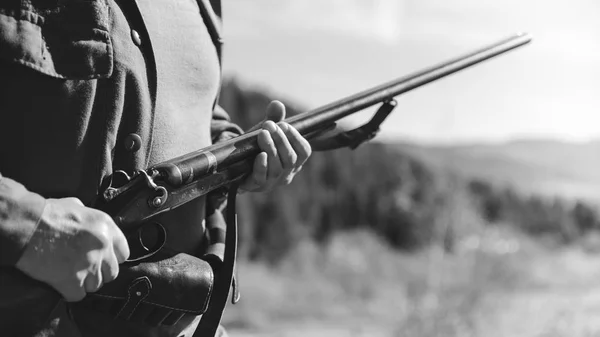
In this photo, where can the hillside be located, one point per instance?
(546, 167)
(410, 195)
(406, 240)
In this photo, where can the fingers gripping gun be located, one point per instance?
(134, 201)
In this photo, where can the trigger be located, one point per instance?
(146, 241)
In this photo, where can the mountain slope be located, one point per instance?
(545, 167)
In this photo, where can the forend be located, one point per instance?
(195, 165)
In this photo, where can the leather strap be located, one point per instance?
(210, 10)
(213, 24)
(319, 141)
(224, 277)
(139, 289)
(209, 323)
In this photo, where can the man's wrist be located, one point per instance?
(20, 212)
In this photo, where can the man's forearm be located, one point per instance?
(20, 211)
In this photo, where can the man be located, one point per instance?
(88, 87)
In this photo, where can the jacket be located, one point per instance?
(77, 101)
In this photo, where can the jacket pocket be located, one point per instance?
(69, 39)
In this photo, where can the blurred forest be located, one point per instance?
(379, 241)
(386, 191)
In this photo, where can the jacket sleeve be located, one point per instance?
(20, 212)
(221, 127)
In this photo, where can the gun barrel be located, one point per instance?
(185, 169)
(315, 119)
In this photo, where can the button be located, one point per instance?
(135, 36)
(133, 142)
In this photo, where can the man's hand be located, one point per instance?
(75, 249)
(284, 152)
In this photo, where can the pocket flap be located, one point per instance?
(174, 281)
(70, 41)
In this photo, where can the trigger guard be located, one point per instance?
(136, 243)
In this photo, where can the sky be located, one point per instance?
(317, 51)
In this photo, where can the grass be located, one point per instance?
(496, 283)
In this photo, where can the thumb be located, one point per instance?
(275, 112)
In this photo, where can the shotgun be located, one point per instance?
(133, 201)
